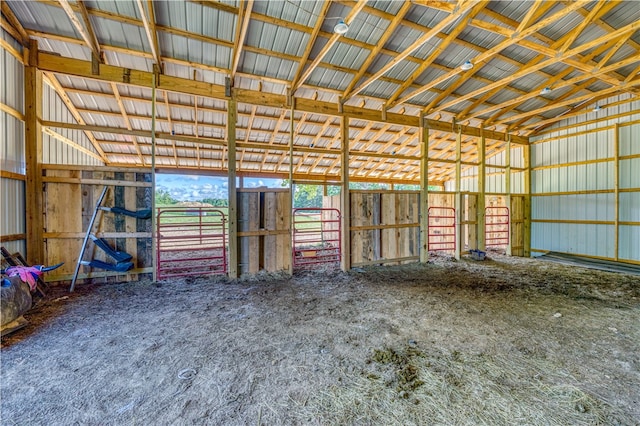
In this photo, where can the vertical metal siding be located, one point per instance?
(596, 144)
(58, 152)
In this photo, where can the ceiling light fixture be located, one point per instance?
(466, 66)
(341, 27)
(596, 108)
(545, 91)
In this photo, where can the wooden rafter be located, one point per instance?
(451, 37)
(484, 58)
(72, 109)
(327, 47)
(555, 82)
(395, 22)
(87, 35)
(529, 69)
(460, 10)
(241, 32)
(14, 23)
(150, 29)
(312, 41)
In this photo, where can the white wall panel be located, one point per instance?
(13, 207)
(629, 139)
(590, 240)
(629, 209)
(55, 151)
(629, 243)
(12, 144)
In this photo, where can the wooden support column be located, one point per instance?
(482, 172)
(507, 187)
(458, 195)
(154, 241)
(345, 200)
(424, 191)
(33, 158)
(527, 200)
(232, 115)
(292, 131)
(616, 189)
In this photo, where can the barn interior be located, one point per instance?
(458, 145)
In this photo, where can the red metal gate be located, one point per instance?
(496, 226)
(316, 236)
(191, 241)
(442, 229)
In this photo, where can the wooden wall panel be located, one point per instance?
(517, 225)
(70, 198)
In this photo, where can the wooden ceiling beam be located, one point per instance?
(53, 81)
(395, 22)
(13, 22)
(312, 41)
(332, 41)
(241, 33)
(485, 57)
(57, 64)
(91, 42)
(451, 37)
(460, 11)
(150, 29)
(529, 69)
(579, 100)
(504, 107)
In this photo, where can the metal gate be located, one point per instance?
(442, 229)
(496, 226)
(191, 241)
(316, 236)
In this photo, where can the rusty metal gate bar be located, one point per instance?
(497, 226)
(191, 241)
(316, 236)
(442, 229)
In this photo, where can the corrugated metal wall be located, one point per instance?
(55, 151)
(12, 159)
(495, 179)
(576, 162)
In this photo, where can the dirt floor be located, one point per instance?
(504, 341)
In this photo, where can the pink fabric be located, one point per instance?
(28, 274)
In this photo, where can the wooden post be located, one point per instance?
(616, 189)
(33, 158)
(458, 195)
(233, 195)
(345, 200)
(424, 190)
(482, 172)
(291, 187)
(507, 184)
(154, 241)
(527, 200)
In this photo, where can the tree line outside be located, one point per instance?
(304, 195)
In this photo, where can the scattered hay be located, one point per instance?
(411, 386)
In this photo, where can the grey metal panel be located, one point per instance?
(193, 17)
(269, 66)
(625, 12)
(12, 207)
(630, 173)
(367, 28)
(300, 12)
(12, 155)
(180, 47)
(515, 10)
(43, 17)
(559, 28)
(629, 137)
(628, 243)
(276, 38)
(346, 55)
(11, 81)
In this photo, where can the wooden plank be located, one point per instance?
(424, 191)
(471, 215)
(388, 236)
(33, 160)
(249, 222)
(144, 252)
(112, 182)
(231, 183)
(517, 225)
